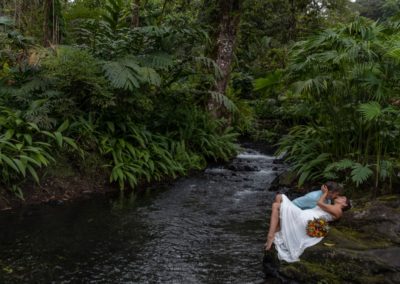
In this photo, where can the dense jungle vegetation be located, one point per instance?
(140, 90)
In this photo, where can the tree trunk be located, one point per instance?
(47, 29)
(135, 14)
(51, 22)
(227, 28)
(292, 21)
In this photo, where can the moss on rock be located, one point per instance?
(309, 272)
(362, 248)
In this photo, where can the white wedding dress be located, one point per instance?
(292, 240)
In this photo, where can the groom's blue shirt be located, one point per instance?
(309, 200)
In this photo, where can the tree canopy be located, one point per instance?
(151, 89)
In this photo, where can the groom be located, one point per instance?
(310, 200)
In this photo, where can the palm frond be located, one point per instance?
(370, 111)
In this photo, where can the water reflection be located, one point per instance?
(208, 228)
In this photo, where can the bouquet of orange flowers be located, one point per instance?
(317, 228)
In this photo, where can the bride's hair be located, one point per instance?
(348, 205)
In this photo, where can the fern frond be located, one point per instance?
(223, 100)
(360, 173)
(209, 63)
(385, 169)
(341, 165)
(37, 84)
(156, 31)
(150, 76)
(122, 75)
(158, 60)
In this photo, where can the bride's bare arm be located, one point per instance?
(331, 209)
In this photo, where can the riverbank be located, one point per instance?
(68, 185)
(57, 190)
(65, 183)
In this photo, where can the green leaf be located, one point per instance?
(303, 178)
(150, 76)
(28, 139)
(111, 126)
(9, 134)
(21, 166)
(41, 158)
(271, 80)
(122, 143)
(59, 138)
(34, 126)
(19, 146)
(394, 53)
(17, 191)
(360, 173)
(33, 173)
(223, 100)
(71, 142)
(63, 126)
(123, 75)
(156, 60)
(33, 161)
(340, 165)
(9, 162)
(49, 134)
(131, 179)
(344, 164)
(370, 111)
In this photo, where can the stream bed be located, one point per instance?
(205, 228)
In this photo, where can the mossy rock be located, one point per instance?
(363, 247)
(349, 238)
(323, 265)
(308, 272)
(378, 219)
(284, 180)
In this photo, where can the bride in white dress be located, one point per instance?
(288, 224)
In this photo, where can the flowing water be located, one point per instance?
(207, 228)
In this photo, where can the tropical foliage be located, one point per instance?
(152, 89)
(134, 97)
(345, 82)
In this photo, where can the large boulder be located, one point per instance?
(363, 247)
(284, 180)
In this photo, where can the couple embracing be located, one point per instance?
(287, 230)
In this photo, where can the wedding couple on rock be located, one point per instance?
(289, 219)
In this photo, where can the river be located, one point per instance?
(206, 228)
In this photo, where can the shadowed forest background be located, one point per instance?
(137, 91)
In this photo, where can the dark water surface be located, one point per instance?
(208, 228)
